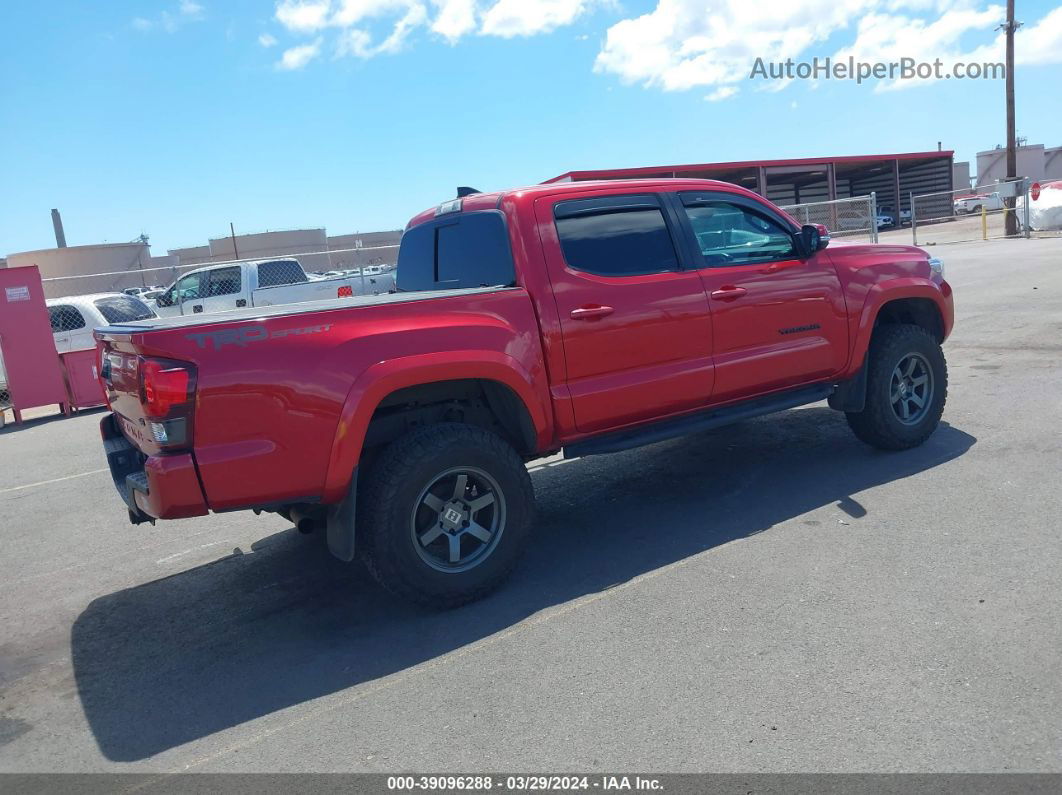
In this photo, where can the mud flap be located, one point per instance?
(851, 395)
(340, 523)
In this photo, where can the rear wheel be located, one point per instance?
(445, 513)
(907, 384)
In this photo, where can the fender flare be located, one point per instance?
(383, 378)
(886, 292)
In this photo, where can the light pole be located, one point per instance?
(1011, 219)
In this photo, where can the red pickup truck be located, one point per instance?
(585, 317)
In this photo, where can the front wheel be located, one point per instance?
(445, 513)
(907, 384)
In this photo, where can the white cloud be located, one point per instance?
(171, 21)
(1040, 43)
(191, 9)
(687, 43)
(303, 16)
(298, 57)
(508, 18)
(454, 18)
(683, 44)
(267, 40)
(887, 38)
(723, 92)
(365, 28)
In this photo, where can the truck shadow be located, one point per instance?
(174, 660)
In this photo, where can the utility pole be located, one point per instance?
(235, 251)
(1011, 219)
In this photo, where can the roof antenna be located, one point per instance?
(463, 191)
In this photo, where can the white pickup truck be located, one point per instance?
(973, 204)
(217, 288)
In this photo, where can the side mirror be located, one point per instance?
(815, 237)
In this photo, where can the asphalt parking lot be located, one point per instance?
(774, 596)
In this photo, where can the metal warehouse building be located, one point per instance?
(810, 179)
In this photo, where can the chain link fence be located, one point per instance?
(856, 218)
(966, 215)
(220, 281)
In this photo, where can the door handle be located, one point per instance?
(241, 302)
(591, 312)
(728, 293)
(197, 308)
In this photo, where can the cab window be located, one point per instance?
(224, 281)
(728, 233)
(615, 235)
(460, 250)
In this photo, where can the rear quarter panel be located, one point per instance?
(283, 402)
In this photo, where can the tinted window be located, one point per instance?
(280, 271)
(462, 250)
(730, 234)
(224, 281)
(65, 318)
(616, 241)
(123, 308)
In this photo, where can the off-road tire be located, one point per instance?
(878, 424)
(388, 496)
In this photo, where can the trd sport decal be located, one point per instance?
(248, 334)
(798, 329)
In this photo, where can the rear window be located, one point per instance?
(280, 271)
(123, 308)
(461, 250)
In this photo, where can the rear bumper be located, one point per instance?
(152, 487)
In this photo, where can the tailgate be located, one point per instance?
(120, 377)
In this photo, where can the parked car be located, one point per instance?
(583, 317)
(141, 292)
(884, 220)
(73, 319)
(887, 213)
(217, 288)
(973, 204)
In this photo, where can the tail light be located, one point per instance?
(167, 395)
(345, 292)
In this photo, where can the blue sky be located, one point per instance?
(173, 118)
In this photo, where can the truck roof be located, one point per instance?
(490, 201)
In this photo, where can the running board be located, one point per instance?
(715, 418)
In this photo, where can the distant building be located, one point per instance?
(111, 267)
(313, 247)
(100, 268)
(960, 175)
(1035, 161)
(811, 179)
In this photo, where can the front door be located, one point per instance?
(212, 290)
(778, 320)
(635, 327)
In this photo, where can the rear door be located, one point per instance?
(635, 326)
(778, 320)
(67, 321)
